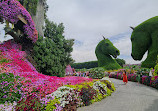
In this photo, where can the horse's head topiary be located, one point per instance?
(104, 50)
(107, 48)
(145, 38)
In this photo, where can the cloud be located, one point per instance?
(87, 20)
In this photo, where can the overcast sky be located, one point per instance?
(87, 20)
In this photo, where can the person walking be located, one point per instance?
(125, 80)
(138, 77)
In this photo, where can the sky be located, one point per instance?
(87, 20)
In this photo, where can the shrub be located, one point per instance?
(96, 73)
(66, 96)
(52, 105)
(87, 94)
(10, 88)
(31, 103)
(156, 68)
(154, 82)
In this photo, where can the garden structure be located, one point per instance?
(104, 50)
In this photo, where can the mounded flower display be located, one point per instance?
(21, 83)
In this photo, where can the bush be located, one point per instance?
(156, 68)
(10, 88)
(31, 103)
(87, 65)
(87, 94)
(96, 73)
(154, 82)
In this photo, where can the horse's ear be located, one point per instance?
(103, 37)
(132, 27)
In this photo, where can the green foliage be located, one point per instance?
(104, 51)
(31, 103)
(87, 65)
(121, 62)
(51, 106)
(52, 53)
(3, 60)
(97, 73)
(9, 88)
(31, 6)
(156, 68)
(144, 38)
(94, 64)
(87, 94)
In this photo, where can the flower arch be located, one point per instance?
(13, 12)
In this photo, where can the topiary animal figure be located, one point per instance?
(104, 51)
(145, 38)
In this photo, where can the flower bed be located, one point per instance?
(24, 88)
(146, 80)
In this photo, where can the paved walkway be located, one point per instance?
(130, 97)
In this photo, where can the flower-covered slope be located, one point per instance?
(10, 10)
(19, 65)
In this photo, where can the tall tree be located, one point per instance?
(52, 53)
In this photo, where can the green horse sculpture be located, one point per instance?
(104, 50)
(145, 38)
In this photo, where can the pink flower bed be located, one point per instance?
(19, 65)
(10, 9)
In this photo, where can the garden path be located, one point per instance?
(130, 97)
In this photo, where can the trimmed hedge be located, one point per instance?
(87, 65)
(94, 64)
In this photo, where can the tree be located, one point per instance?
(52, 53)
(121, 62)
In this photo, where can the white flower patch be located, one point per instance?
(8, 106)
(106, 78)
(98, 84)
(62, 93)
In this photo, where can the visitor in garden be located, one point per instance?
(125, 80)
(138, 78)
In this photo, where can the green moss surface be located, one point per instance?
(104, 50)
(144, 38)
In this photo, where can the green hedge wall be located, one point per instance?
(93, 64)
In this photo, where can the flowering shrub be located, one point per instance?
(146, 80)
(66, 95)
(154, 82)
(87, 94)
(53, 105)
(97, 73)
(101, 87)
(8, 106)
(107, 81)
(10, 88)
(31, 103)
(11, 9)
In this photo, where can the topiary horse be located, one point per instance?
(103, 51)
(145, 38)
